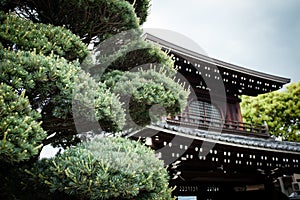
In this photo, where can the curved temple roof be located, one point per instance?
(229, 139)
(239, 79)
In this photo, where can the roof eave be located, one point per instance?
(186, 52)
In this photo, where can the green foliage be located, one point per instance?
(41, 71)
(49, 79)
(50, 83)
(280, 110)
(94, 102)
(125, 52)
(41, 38)
(106, 168)
(145, 52)
(116, 63)
(146, 88)
(85, 18)
(20, 133)
(141, 8)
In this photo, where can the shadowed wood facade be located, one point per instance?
(209, 150)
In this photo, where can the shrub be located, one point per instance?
(106, 168)
(20, 134)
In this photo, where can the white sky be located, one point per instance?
(263, 35)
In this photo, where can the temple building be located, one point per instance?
(210, 152)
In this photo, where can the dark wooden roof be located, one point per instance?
(237, 80)
(202, 151)
(231, 139)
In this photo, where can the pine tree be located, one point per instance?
(50, 82)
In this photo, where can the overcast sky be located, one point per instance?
(263, 35)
